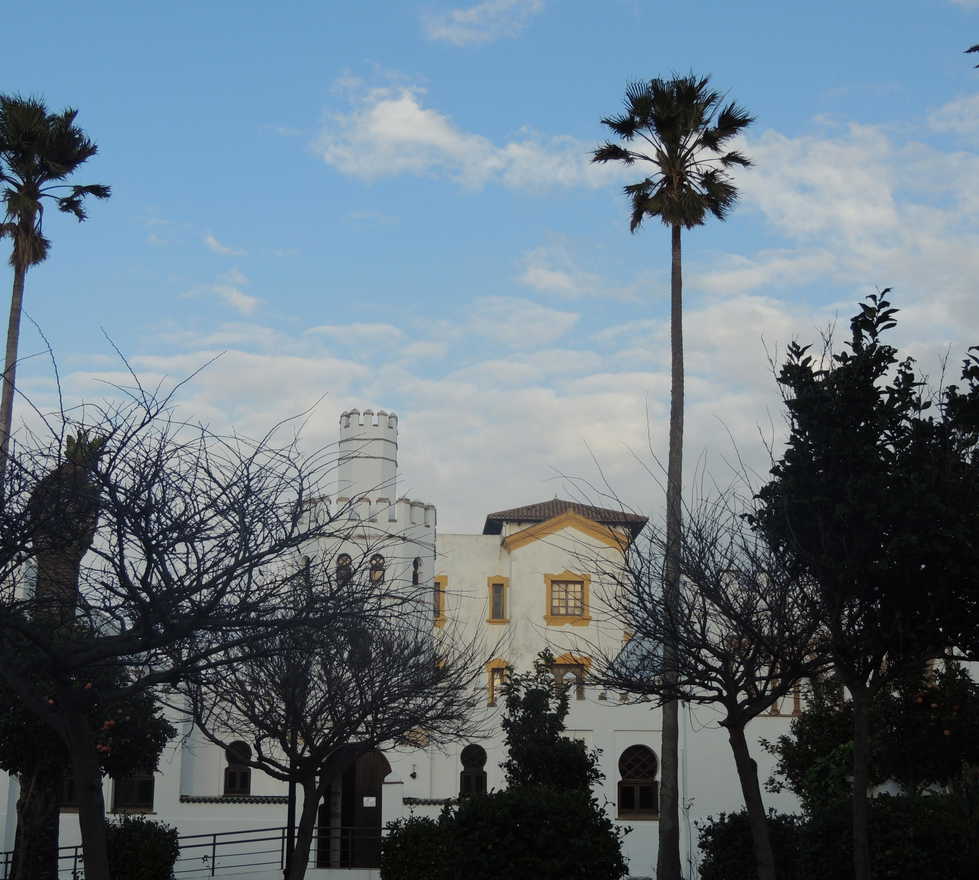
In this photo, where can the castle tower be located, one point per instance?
(368, 454)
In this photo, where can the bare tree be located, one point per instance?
(368, 674)
(159, 548)
(744, 624)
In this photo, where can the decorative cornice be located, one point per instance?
(234, 799)
(609, 535)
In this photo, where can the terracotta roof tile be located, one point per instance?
(545, 510)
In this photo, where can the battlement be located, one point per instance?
(381, 510)
(368, 422)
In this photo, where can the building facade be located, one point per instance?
(536, 577)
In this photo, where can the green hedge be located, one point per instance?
(929, 837)
(140, 849)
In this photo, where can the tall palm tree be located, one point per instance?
(38, 150)
(677, 129)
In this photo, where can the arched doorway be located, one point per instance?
(350, 815)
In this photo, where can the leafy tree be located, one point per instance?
(680, 128)
(537, 754)
(38, 150)
(131, 738)
(921, 732)
(546, 825)
(875, 497)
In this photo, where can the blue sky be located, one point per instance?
(391, 204)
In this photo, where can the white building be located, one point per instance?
(531, 580)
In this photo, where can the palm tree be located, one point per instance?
(679, 127)
(973, 49)
(38, 150)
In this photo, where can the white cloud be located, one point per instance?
(424, 350)
(228, 288)
(358, 334)
(217, 247)
(737, 274)
(519, 323)
(482, 22)
(389, 132)
(960, 116)
(555, 269)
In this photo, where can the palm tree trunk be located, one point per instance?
(748, 776)
(10, 363)
(668, 857)
(861, 750)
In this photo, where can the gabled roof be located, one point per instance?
(545, 510)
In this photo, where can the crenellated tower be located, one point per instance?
(368, 444)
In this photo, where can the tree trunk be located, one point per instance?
(88, 788)
(10, 364)
(748, 775)
(668, 858)
(36, 843)
(861, 750)
(312, 795)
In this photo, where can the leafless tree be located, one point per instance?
(149, 546)
(368, 674)
(744, 622)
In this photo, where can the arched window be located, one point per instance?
(345, 569)
(496, 676)
(238, 775)
(570, 671)
(377, 569)
(472, 779)
(638, 788)
(416, 571)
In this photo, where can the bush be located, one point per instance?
(535, 832)
(930, 837)
(727, 852)
(415, 849)
(140, 849)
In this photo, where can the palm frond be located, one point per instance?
(612, 152)
(972, 49)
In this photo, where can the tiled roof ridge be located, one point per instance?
(545, 510)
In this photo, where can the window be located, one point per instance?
(416, 570)
(789, 705)
(497, 599)
(238, 775)
(438, 599)
(567, 599)
(496, 674)
(570, 670)
(133, 793)
(638, 788)
(377, 569)
(345, 569)
(69, 796)
(472, 779)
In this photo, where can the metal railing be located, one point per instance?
(228, 854)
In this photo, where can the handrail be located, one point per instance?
(209, 854)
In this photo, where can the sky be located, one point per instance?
(392, 205)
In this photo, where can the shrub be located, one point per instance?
(140, 849)
(535, 832)
(415, 849)
(727, 852)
